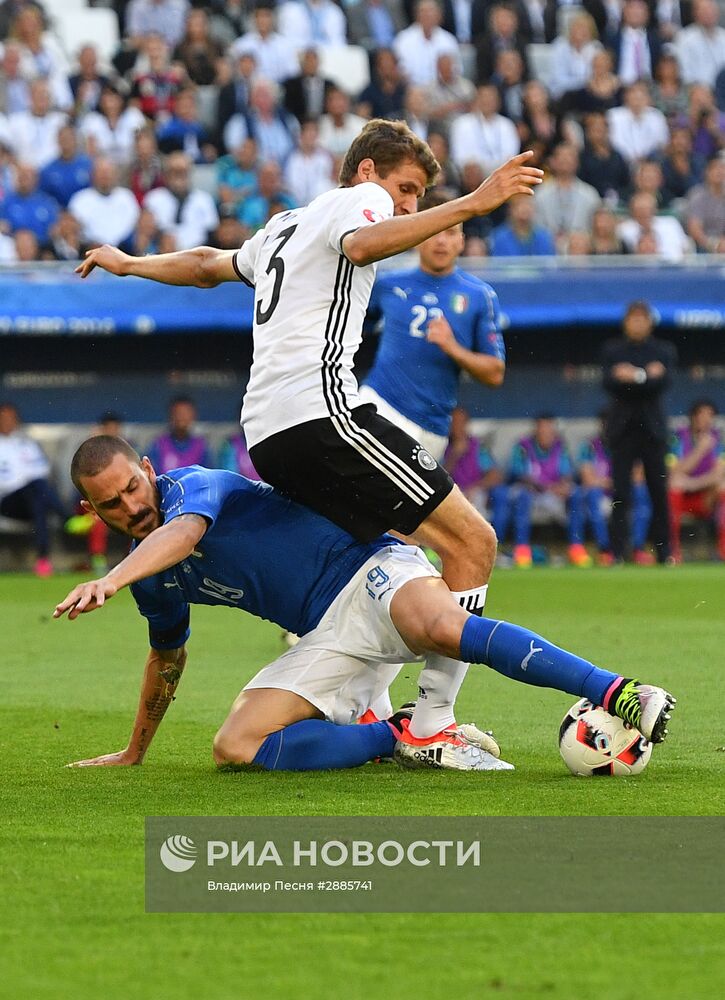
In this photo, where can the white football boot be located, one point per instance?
(448, 751)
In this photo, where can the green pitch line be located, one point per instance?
(71, 841)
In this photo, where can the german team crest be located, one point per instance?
(425, 459)
(459, 303)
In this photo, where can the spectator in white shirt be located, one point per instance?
(571, 57)
(273, 129)
(701, 46)
(275, 55)
(636, 46)
(188, 214)
(451, 94)
(26, 493)
(309, 169)
(637, 130)
(14, 85)
(669, 237)
(33, 134)
(41, 55)
(339, 126)
(484, 135)
(106, 212)
(419, 46)
(417, 112)
(565, 204)
(112, 129)
(312, 22)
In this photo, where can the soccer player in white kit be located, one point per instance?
(312, 270)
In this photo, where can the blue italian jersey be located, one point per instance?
(261, 553)
(410, 373)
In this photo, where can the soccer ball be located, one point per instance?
(592, 742)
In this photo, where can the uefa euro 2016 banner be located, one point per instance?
(533, 293)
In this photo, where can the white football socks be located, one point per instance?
(438, 686)
(382, 705)
(472, 600)
(441, 679)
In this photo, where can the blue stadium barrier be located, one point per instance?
(534, 292)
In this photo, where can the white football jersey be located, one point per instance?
(309, 307)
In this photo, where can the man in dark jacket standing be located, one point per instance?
(637, 370)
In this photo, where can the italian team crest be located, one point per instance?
(459, 303)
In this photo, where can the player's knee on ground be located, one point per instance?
(236, 748)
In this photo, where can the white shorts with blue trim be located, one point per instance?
(355, 652)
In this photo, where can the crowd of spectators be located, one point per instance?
(211, 116)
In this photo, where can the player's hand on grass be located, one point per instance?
(124, 758)
(516, 176)
(106, 257)
(86, 597)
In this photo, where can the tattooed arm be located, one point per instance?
(160, 681)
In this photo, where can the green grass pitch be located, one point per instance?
(71, 842)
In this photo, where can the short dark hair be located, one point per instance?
(186, 400)
(110, 416)
(701, 404)
(638, 305)
(95, 454)
(387, 144)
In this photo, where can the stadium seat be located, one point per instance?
(92, 26)
(56, 9)
(539, 56)
(348, 66)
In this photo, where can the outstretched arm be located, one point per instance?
(164, 547)
(403, 232)
(158, 688)
(202, 267)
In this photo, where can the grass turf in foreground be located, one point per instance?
(72, 846)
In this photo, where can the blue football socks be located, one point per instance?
(524, 656)
(316, 745)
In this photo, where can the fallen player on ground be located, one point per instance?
(211, 537)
